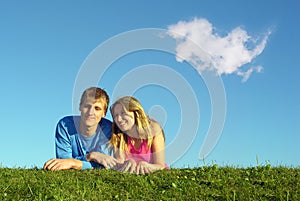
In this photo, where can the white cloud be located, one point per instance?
(206, 50)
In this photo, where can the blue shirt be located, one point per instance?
(71, 144)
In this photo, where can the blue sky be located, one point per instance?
(252, 50)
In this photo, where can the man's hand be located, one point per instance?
(55, 164)
(105, 160)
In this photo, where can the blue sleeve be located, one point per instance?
(64, 147)
(89, 165)
(86, 164)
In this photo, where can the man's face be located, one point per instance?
(91, 112)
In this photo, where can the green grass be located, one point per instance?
(203, 183)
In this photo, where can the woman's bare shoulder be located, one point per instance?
(156, 128)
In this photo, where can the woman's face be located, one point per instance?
(123, 118)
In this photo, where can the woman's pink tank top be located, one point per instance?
(143, 154)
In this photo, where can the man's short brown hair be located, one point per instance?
(98, 94)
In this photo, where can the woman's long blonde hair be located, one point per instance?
(142, 121)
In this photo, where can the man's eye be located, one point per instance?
(97, 108)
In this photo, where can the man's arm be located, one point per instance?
(63, 164)
(64, 157)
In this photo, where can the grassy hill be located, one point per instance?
(203, 183)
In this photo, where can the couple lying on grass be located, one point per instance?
(131, 143)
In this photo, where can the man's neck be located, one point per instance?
(87, 131)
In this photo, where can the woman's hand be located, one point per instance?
(144, 168)
(105, 160)
(127, 166)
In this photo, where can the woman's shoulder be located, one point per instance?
(156, 128)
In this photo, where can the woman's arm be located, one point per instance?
(124, 165)
(158, 150)
(158, 153)
(119, 155)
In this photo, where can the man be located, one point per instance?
(79, 139)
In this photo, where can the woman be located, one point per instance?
(137, 140)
